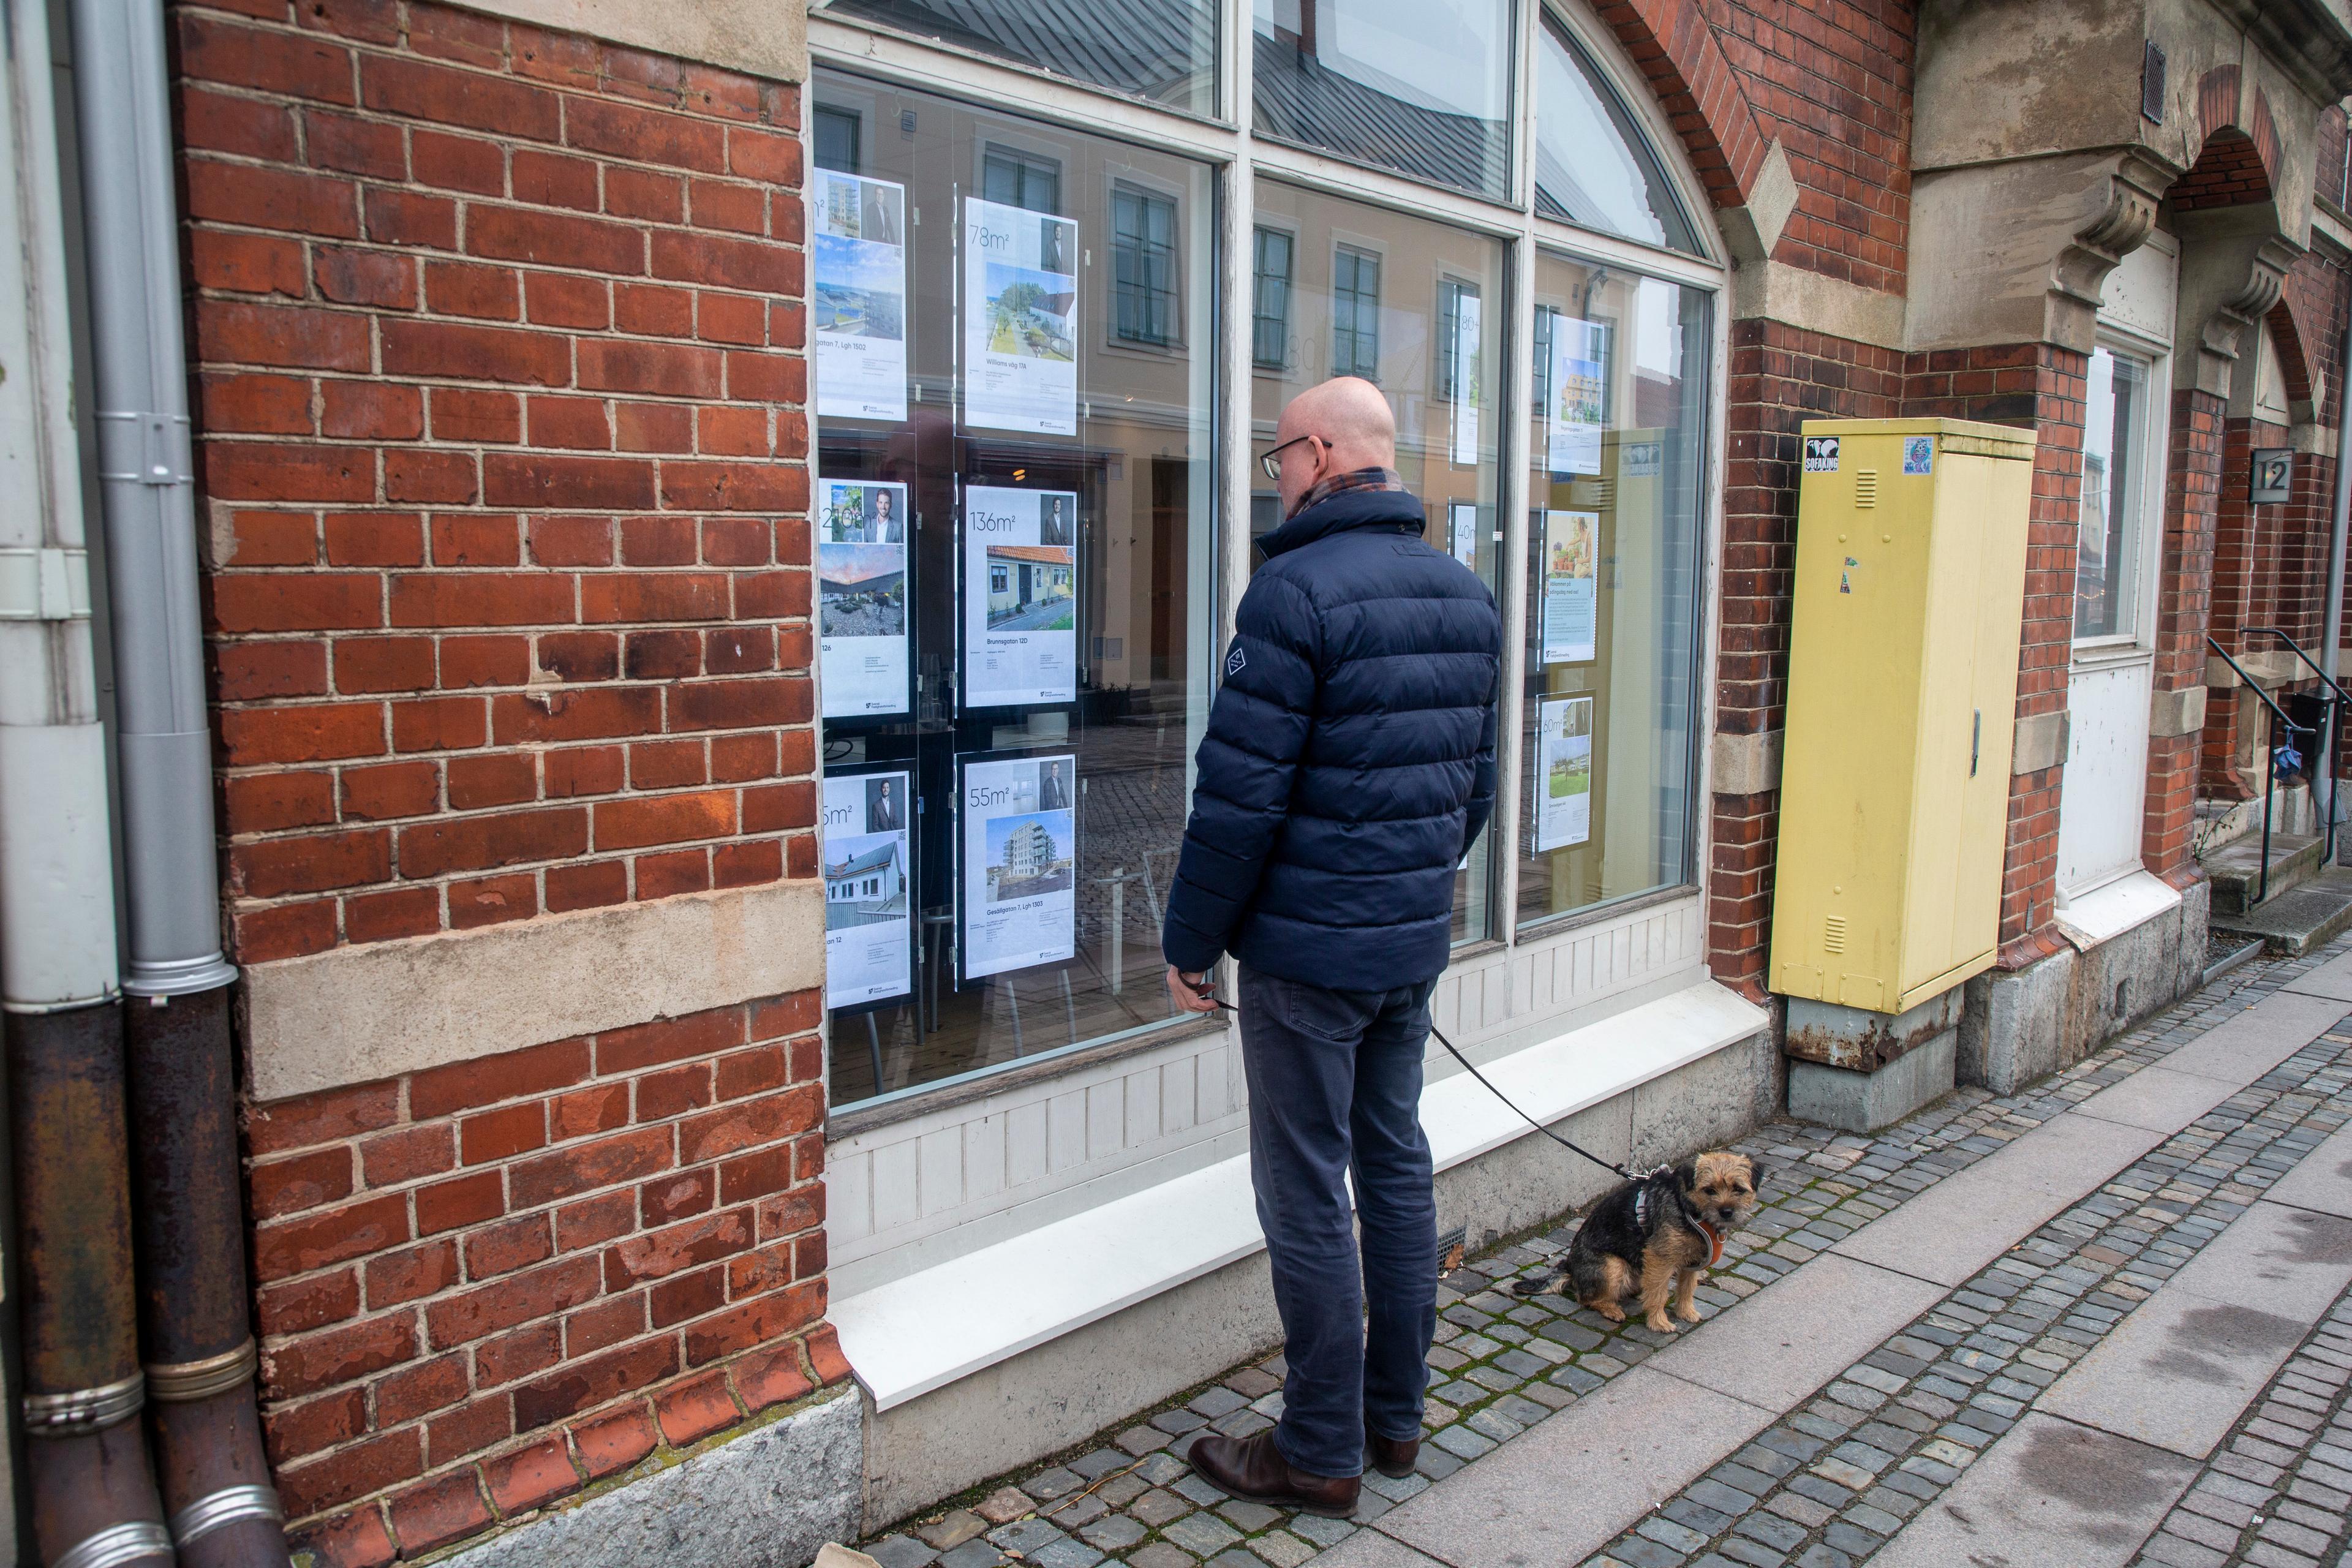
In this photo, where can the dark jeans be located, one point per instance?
(1335, 1086)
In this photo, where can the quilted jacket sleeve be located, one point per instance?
(1482, 782)
(1257, 730)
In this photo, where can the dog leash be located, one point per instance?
(1498, 1094)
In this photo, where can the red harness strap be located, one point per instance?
(1714, 1241)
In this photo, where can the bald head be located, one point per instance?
(1352, 427)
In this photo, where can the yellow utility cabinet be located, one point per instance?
(1902, 699)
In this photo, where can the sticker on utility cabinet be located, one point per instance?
(1918, 454)
(1821, 454)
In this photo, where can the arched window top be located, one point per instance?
(1593, 166)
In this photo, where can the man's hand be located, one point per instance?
(1190, 992)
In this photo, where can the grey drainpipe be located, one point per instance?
(194, 1311)
(2332, 618)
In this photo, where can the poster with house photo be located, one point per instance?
(1020, 596)
(1577, 404)
(1563, 772)
(1570, 604)
(868, 888)
(1020, 854)
(857, 298)
(1020, 320)
(861, 598)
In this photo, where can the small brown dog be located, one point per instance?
(1653, 1236)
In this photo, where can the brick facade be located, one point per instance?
(501, 435)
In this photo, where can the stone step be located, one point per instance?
(2293, 923)
(2236, 870)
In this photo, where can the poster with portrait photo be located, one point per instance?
(1576, 405)
(1020, 320)
(1020, 596)
(861, 593)
(866, 851)
(1020, 859)
(857, 298)
(1563, 772)
(1571, 542)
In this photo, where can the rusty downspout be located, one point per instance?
(93, 1501)
(189, 1230)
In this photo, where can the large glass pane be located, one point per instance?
(1160, 51)
(1615, 561)
(1593, 166)
(1422, 87)
(2106, 557)
(1016, 569)
(1416, 307)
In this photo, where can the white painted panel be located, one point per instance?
(1106, 1117)
(898, 1185)
(2140, 293)
(1143, 1108)
(1176, 1094)
(1066, 1124)
(1026, 1144)
(848, 1198)
(983, 1156)
(942, 1169)
(2105, 782)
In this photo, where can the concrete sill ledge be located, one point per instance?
(927, 1329)
(2117, 907)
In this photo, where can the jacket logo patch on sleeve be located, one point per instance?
(1234, 662)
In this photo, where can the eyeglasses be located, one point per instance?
(1272, 462)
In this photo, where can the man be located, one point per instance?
(882, 526)
(1349, 763)
(1052, 794)
(883, 818)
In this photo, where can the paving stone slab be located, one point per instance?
(2050, 1495)
(2321, 1180)
(2240, 1050)
(1782, 1344)
(2157, 1099)
(2332, 979)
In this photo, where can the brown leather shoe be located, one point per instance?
(1391, 1457)
(1254, 1468)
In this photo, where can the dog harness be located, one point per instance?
(1714, 1236)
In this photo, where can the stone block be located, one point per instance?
(767, 1499)
(1865, 1101)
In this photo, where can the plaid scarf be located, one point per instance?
(1355, 479)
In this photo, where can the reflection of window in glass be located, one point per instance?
(2106, 556)
(1593, 165)
(1271, 251)
(1159, 51)
(1356, 313)
(1609, 705)
(1021, 179)
(1422, 87)
(1540, 365)
(836, 138)
(1143, 265)
(1450, 347)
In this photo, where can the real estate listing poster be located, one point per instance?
(868, 888)
(1570, 603)
(1462, 519)
(861, 590)
(1563, 772)
(857, 300)
(1020, 596)
(1577, 404)
(1020, 863)
(1020, 320)
(1464, 377)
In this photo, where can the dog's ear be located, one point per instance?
(1755, 1173)
(1687, 1175)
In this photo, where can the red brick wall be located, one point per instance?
(485, 1286)
(501, 438)
(2192, 487)
(500, 396)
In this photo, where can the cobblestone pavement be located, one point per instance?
(1828, 1483)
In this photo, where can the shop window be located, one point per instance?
(1615, 576)
(836, 139)
(1447, 447)
(1270, 253)
(1015, 558)
(1356, 313)
(1156, 51)
(1422, 87)
(1454, 298)
(1593, 166)
(1143, 261)
(2115, 480)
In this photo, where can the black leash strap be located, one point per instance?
(1498, 1094)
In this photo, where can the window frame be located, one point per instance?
(1131, 185)
(846, 50)
(2153, 434)
(1357, 254)
(1261, 230)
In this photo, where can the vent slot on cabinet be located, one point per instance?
(1833, 935)
(1865, 486)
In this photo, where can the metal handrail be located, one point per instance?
(2332, 732)
(2270, 768)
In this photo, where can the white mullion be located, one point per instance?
(1510, 579)
(1380, 188)
(1586, 244)
(1236, 452)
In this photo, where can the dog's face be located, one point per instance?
(1720, 1188)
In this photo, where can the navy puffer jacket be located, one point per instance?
(1350, 758)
